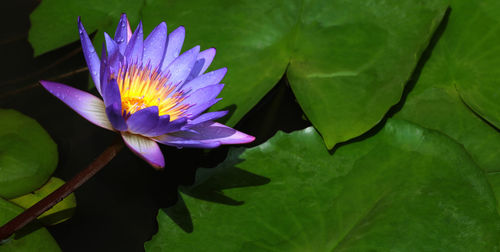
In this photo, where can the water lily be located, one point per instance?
(151, 94)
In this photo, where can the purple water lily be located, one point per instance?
(151, 93)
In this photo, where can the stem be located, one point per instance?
(48, 202)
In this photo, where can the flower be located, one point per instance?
(151, 93)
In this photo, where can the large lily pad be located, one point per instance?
(461, 60)
(406, 188)
(353, 59)
(35, 239)
(28, 156)
(348, 60)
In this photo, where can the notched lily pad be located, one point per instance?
(62, 211)
(406, 188)
(28, 156)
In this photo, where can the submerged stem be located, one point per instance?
(48, 202)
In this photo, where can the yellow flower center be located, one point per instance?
(141, 87)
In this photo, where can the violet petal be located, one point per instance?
(114, 112)
(201, 97)
(210, 116)
(180, 68)
(174, 45)
(111, 45)
(164, 127)
(204, 80)
(90, 55)
(111, 93)
(135, 49)
(123, 33)
(143, 120)
(208, 132)
(194, 111)
(154, 46)
(145, 148)
(85, 104)
(182, 142)
(203, 61)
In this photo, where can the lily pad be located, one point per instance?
(28, 156)
(461, 60)
(353, 58)
(54, 22)
(62, 211)
(348, 61)
(406, 188)
(36, 238)
(472, 43)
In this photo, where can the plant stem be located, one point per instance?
(48, 202)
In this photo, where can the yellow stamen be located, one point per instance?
(141, 87)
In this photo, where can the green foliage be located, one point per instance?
(464, 67)
(28, 156)
(406, 188)
(34, 237)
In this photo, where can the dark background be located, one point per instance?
(116, 209)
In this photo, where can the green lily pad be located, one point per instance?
(353, 58)
(62, 211)
(406, 188)
(54, 22)
(35, 238)
(475, 55)
(455, 61)
(348, 61)
(28, 156)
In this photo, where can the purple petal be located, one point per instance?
(111, 45)
(210, 116)
(90, 55)
(210, 132)
(182, 142)
(201, 97)
(174, 46)
(143, 120)
(135, 49)
(164, 126)
(114, 112)
(154, 46)
(204, 80)
(180, 68)
(203, 61)
(123, 33)
(104, 60)
(85, 104)
(111, 93)
(194, 111)
(145, 148)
